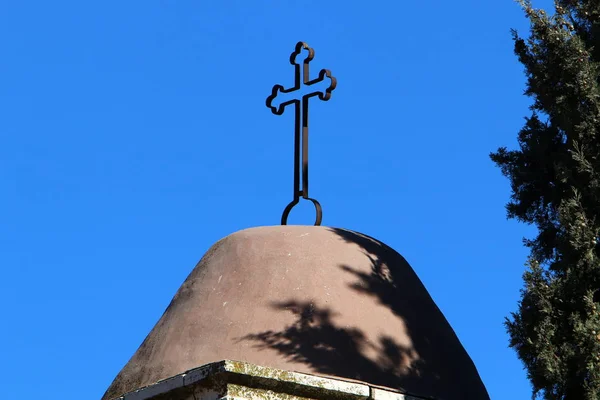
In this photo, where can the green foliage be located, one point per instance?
(555, 181)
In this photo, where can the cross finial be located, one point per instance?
(301, 78)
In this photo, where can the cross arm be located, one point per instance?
(277, 89)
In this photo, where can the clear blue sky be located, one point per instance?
(134, 134)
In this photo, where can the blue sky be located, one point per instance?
(134, 134)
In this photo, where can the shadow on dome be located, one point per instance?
(433, 364)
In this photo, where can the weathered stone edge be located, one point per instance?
(330, 386)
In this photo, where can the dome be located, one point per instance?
(309, 299)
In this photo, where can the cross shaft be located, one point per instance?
(301, 78)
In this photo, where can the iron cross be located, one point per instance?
(301, 78)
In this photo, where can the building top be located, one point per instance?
(229, 379)
(313, 300)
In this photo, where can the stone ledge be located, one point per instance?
(236, 380)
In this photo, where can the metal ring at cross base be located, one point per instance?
(289, 207)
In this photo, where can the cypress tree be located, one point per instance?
(555, 181)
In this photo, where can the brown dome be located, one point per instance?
(309, 299)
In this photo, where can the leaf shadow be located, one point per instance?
(435, 365)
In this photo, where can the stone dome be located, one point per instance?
(310, 299)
